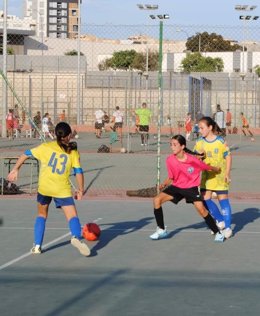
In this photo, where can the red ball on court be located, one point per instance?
(91, 231)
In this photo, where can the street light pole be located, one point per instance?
(4, 99)
(147, 7)
(199, 34)
(79, 114)
(160, 95)
(245, 18)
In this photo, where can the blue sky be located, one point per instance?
(183, 12)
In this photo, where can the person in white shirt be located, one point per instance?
(45, 126)
(219, 118)
(99, 114)
(117, 119)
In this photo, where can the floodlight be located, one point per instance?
(151, 6)
(140, 6)
(152, 16)
(256, 17)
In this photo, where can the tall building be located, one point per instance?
(54, 18)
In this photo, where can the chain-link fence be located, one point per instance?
(48, 79)
(202, 66)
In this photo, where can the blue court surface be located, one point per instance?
(127, 273)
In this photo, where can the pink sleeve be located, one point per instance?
(202, 164)
(169, 170)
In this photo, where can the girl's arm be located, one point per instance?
(165, 183)
(13, 175)
(80, 181)
(215, 169)
(228, 168)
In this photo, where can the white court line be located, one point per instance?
(44, 246)
(29, 253)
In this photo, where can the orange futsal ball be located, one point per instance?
(91, 231)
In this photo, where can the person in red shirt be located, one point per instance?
(228, 121)
(183, 180)
(245, 126)
(10, 123)
(188, 126)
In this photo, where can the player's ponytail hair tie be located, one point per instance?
(62, 130)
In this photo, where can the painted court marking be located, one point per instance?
(27, 254)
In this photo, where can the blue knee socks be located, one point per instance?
(214, 210)
(75, 227)
(39, 229)
(226, 211)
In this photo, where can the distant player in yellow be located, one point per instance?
(57, 158)
(217, 154)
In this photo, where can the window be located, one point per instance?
(53, 20)
(74, 12)
(75, 28)
(52, 27)
(53, 12)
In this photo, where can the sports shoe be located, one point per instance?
(81, 246)
(228, 232)
(221, 225)
(159, 234)
(219, 237)
(36, 249)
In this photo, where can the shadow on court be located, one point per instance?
(239, 221)
(61, 244)
(119, 229)
(243, 218)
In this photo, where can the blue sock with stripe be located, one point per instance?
(226, 211)
(39, 229)
(214, 210)
(75, 227)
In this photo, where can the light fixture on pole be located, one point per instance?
(161, 17)
(147, 7)
(245, 18)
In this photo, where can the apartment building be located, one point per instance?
(54, 18)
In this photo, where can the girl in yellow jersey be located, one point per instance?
(57, 158)
(217, 154)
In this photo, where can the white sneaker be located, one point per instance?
(219, 237)
(221, 225)
(36, 250)
(81, 246)
(228, 233)
(159, 234)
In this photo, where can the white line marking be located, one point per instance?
(28, 253)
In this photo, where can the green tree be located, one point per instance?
(10, 51)
(257, 70)
(197, 63)
(129, 60)
(210, 43)
(73, 52)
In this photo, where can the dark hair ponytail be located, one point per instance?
(182, 141)
(62, 130)
(210, 122)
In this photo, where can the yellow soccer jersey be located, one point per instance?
(55, 169)
(216, 152)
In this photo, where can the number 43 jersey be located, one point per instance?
(55, 169)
